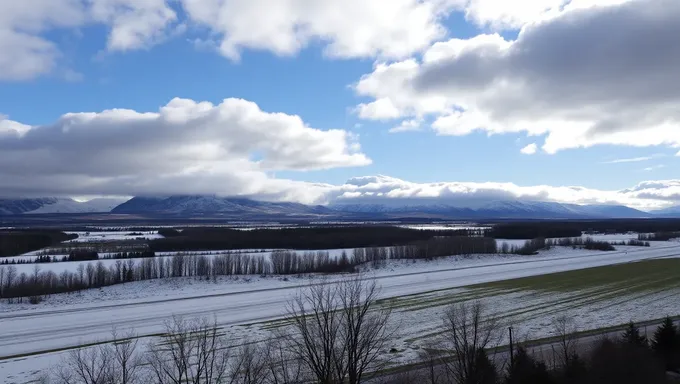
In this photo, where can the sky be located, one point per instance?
(322, 101)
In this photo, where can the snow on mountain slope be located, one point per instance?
(500, 209)
(188, 205)
(71, 206)
(668, 212)
(57, 205)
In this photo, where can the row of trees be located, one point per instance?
(81, 255)
(96, 275)
(574, 228)
(338, 333)
(18, 241)
(658, 236)
(535, 245)
(310, 238)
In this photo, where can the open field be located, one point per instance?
(248, 308)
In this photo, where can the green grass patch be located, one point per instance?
(630, 277)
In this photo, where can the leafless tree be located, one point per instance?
(365, 330)
(281, 364)
(567, 340)
(338, 330)
(191, 352)
(118, 362)
(249, 366)
(86, 366)
(468, 332)
(127, 362)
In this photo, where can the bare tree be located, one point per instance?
(468, 332)
(191, 352)
(567, 340)
(281, 364)
(117, 362)
(86, 366)
(339, 330)
(127, 362)
(250, 366)
(365, 330)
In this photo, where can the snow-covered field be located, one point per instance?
(241, 305)
(610, 238)
(69, 320)
(84, 237)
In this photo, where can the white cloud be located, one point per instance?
(654, 167)
(134, 24)
(349, 28)
(529, 149)
(392, 191)
(185, 147)
(407, 126)
(25, 53)
(635, 159)
(587, 76)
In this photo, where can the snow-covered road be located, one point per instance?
(35, 331)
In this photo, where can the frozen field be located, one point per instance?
(246, 307)
(84, 237)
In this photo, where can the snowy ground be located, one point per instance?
(84, 237)
(611, 238)
(245, 307)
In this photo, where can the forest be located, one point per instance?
(17, 241)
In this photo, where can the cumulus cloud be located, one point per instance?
(185, 147)
(134, 24)
(28, 52)
(392, 191)
(350, 28)
(529, 149)
(588, 75)
(390, 29)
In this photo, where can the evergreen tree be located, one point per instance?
(576, 370)
(526, 370)
(632, 336)
(484, 371)
(666, 343)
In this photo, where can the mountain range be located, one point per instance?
(245, 209)
(56, 205)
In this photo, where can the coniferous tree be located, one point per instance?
(632, 336)
(484, 371)
(526, 370)
(666, 343)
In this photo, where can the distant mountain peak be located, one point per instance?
(40, 205)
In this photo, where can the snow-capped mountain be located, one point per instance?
(668, 212)
(244, 208)
(56, 205)
(189, 205)
(500, 209)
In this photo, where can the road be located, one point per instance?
(30, 332)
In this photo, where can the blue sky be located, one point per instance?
(147, 69)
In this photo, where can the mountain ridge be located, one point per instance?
(245, 208)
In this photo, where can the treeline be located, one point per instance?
(81, 255)
(462, 357)
(339, 334)
(96, 275)
(659, 236)
(588, 243)
(574, 228)
(312, 238)
(17, 242)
